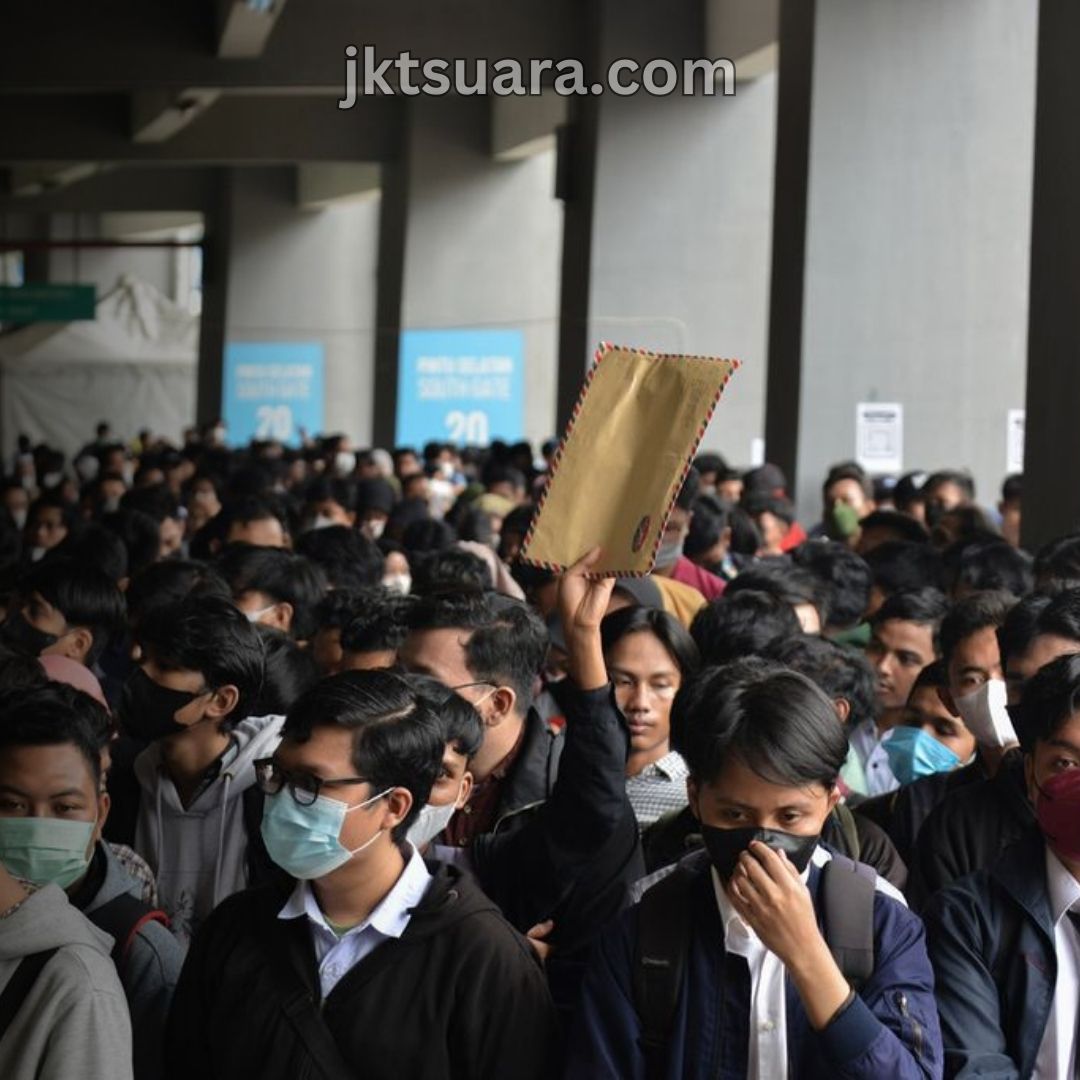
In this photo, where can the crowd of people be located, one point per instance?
(305, 772)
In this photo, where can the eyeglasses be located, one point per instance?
(303, 787)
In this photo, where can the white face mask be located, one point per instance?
(256, 616)
(398, 583)
(52, 479)
(986, 716)
(669, 554)
(344, 463)
(431, 822)
(375, 528)
(322, 522)
(110, 505)
(37, 554)
(19, 517)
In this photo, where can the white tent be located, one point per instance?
(134, 366)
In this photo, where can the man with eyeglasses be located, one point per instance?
(371, 962)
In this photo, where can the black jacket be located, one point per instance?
(459, 995)
(970, 829)
(991, 942)
(902, 813)
(572, 852)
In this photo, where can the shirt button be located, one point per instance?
(768, 1026)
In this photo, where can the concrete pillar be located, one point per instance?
(916, 233)
(1052, 445)
(677, 239)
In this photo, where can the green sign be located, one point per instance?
(46, 303)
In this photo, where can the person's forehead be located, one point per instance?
(738, 783)
(44, 770)
(979, 649)
(182, 679)
(327, 753)
(903, 633)
(454, 761)
(641, 651)
(440, 652)
(845, 487)
(926, 701)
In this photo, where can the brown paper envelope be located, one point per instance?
(624, 457)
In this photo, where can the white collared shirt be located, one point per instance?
(767, 1058)
(1057, 1052)
(658, 789)
(868, 745)
(336, 956)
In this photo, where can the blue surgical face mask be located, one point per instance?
(305, 840)
(46, 850)
(913, 754)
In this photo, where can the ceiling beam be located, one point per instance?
(245, 27)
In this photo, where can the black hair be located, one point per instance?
(690, 490)
(840, 672)
(507, 643)
(498, 473)
(284, 577)
(756, 503)
(339, 607)
(140, 535)
(289, 671)
(898, 566)
(168, 582)
(331, 489)
(1021, 626)
(979, 611)
(924, 607)
(903, 526)
(96, 546)
(397, 740)
(471, 523)
(933, 676)
(963, 480)
(1058, 563)
(1012, 488)
(375, 493)
(19, 671)
(706, 526)
(710, 463)
(746, 538)
(1049, 699)
(156, 501)
(449, 569)
(784, 580)
(54, 714)
(209, 635)
(381, 626)
(845, 576)
(348, 558)
(746, 624)
(428, 534)
(773, 720)
(991, 565)
(84, 595)
(243, 510)
(849, 470)
(461, 725)
(662, 625)
(53, 500)
(1061, 617)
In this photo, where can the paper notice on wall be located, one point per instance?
(757, 452)
(879, 436)
(640, 419)
(1014, 441)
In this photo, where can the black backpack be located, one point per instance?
(663, 940)
(122, 918)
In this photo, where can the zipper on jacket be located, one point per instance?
(916, 1030)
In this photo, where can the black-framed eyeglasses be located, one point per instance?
(303, 787)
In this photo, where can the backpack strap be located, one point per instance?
(122, 918)
(849, 830)
(660, 952)
(20, 985)
(847, 892)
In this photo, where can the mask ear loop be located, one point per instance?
(359, 806)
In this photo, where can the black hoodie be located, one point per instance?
(459, 995)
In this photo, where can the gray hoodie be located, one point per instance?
(149, 972)
(74, 1022)
(199, 853)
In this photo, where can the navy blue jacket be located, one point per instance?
(992, 944)
(890, 1030)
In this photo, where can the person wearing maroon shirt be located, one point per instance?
(670, 560)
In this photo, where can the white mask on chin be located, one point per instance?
(398, 583)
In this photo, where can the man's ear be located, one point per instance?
(692, 797)
(1029, 778)
(223, 701)
(843, 709)
(104, 806)
(77, 644)
(945, 696)
(503, 702)
(398, 804)
(466, 789)
(280, 617)
(835, 796)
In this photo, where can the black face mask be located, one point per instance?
(24, 637)
(726, 845)
(148, 711)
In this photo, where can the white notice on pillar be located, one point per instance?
(879, 436)
(1014, 441)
